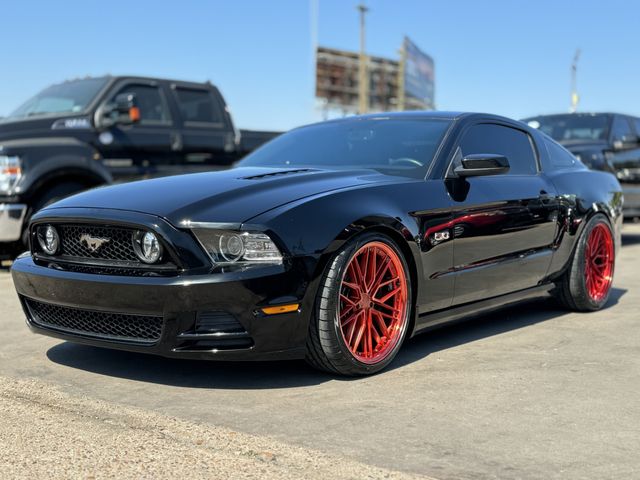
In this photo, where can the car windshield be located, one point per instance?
(390, 145)
(67, 97)
(572, 127)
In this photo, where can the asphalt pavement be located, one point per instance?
(531, 392)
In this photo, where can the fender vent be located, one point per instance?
(276, 174)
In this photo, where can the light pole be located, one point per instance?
(363, 74)
(574, 89)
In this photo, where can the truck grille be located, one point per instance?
(89, 323)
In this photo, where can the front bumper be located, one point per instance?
(11, 220)
(180, 302)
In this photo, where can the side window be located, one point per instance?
(510, 142)
(636, 121)
(559, 157)
(621, 129)
(198, 106)
(153, 106)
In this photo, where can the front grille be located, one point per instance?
(118, 247)
(102, 250)
(90, 323)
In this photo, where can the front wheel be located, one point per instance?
(586, 284)
(362, 309)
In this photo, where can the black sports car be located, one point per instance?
(334, 242)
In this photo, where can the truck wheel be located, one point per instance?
(363, 308)
(586, 284)
(49, 196)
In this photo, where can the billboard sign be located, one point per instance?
(419, 76)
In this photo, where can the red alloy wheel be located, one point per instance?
(373, 302)
(599, 257)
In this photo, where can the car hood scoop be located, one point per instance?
(230, 196)
(276, 174)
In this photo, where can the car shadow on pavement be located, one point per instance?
(286, 374)
(487, 325)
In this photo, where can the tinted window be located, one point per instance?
(621, 129)
(67, 97)
(394, 146)
(637, 125)
(513, 144)
(198, 106)
(560, 157)
(153, 106)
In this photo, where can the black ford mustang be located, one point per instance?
(334, 242)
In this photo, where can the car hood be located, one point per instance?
(230, 196)
(11, 128)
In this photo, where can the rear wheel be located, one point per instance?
(586, 284)
(362, 309)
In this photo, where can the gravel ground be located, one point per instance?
(45, 433)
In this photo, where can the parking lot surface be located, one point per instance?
(528, 392)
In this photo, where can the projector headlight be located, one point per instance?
(242, 248)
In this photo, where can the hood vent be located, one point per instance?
(276, 174)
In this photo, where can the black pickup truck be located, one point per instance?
(88, 132)
(602, 141)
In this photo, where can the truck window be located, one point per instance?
(152, 104)
(197, 106)
(621, 129)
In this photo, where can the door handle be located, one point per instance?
(176, 142)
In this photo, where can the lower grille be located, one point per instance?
(106, 325)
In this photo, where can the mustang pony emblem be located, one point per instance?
(93, 243)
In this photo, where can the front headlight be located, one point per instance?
(10, 173)
(227, 247)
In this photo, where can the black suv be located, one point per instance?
(93, 131)
(602, 141)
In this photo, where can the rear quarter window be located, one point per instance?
(559, 158)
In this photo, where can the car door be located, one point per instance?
(502, 225)
(146, 148)
(208, 138)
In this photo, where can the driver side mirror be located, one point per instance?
(481, 164)
(123, 110)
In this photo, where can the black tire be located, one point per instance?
(573, 291)
(49, 196)
(327, 348)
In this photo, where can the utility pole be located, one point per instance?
(574, 89)
(363, 73)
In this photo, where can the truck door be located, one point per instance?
(146, 148)
(625, 159)
(208, 137)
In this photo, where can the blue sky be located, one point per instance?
(502, 56)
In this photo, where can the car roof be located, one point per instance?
(417, 115)
(578, 114)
